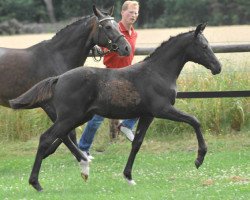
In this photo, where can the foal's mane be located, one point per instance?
(166, 44)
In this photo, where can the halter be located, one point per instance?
(112, 44)
(106, 18)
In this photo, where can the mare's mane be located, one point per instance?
(166, 44)
(60, 32)
(76, 23)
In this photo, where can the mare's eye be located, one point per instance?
(108, 27)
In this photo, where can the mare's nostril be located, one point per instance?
(126, 48)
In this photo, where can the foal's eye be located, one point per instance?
(108, 27)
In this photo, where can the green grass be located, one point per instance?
(164, 169)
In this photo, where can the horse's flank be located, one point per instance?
(119, 92)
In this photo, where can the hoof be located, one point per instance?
(130, 182)
(197, 164)
(85, 176)
(84, 166)
(37, 187)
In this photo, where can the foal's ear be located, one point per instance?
(111, 11)
(200, 28)
(96, 11)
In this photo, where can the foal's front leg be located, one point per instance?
(141, 129)
(173, 114)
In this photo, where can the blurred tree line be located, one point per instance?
(153, 13)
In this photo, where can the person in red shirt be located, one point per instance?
(113, 60)
(129, 13)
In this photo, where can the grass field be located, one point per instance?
(164, 169)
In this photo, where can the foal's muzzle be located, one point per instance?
(216, 69)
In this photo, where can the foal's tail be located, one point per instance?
(39, 93)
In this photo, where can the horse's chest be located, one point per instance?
(120, 93)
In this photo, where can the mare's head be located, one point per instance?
(108, 34)
(199, 51)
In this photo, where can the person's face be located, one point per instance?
(130, 15)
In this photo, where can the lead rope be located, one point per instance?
(97, 53)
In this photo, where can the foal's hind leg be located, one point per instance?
(142, 127)
(45, 141)
(50, 110)
(176, 115)
(53, 147)
(58, 130)
(83, 161)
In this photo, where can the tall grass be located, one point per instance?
(218, 115)
(23, 124)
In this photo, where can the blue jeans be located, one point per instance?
(92, 127)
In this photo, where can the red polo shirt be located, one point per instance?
(113, 60)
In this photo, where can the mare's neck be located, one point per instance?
(74, 43)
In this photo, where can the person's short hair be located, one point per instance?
(127, 3)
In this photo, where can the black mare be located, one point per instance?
(20, 69)
(145, 90)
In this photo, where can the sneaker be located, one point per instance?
(87, 155)
(128, 132)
